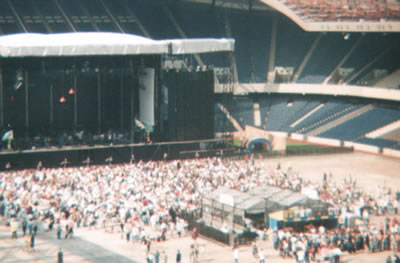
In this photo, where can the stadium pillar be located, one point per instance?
(75, 101)
(121, 103)
(51, 104)
(98, 102)
(272, 51)
(26, 100)
(1, 97)
(132, 119)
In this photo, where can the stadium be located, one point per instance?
(217, 118)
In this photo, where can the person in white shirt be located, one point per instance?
(261, 256)
(300, 256)
(236, 255)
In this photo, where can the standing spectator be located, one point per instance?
(14, 226)
(157, 256)
(300, 253)
(149, 258)
(59, 231)
(165, 256)
(178, 256)
(27, 241)
(236, 255)
(32, 243)
(254, 250)
(35, 226)
(60, 256)
(194, 236)
(261, 256)
(148, 245)
(191, 255)
(24, 226)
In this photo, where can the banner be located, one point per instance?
(8, 136)
(146, 96)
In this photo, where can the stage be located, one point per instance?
(100, 154)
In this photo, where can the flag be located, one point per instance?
(8, 136)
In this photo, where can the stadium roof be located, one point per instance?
(326, 15)
(322, 15)
(95, 43)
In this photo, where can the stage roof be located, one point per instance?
(97, 44)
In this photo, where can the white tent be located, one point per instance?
(100, 43)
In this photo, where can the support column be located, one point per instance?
(1, 98)
(121, 103)
(51, 104)
(132, 122)
(272, 51)
(300, 68)
(98, 102)
(75, 100)
(26, 80)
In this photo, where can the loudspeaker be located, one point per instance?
(190, 105)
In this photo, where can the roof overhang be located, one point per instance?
(362, 25)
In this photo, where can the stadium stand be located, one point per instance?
(352, 130)
(152, 22)
(293, 43)
(325, 10)
(222, 123)
(7, 19)
(278, 112)
(252, 33)
(207, 23)
(242, 110)
(330, 50)
(377, 142)
(328, 112)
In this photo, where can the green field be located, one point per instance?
(299, 148)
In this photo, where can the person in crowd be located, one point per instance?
(60, 256)
(236, 255)
(32, 243)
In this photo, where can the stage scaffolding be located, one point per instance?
(87, 81)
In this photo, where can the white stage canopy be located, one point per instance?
(201, 45)
(96, 43)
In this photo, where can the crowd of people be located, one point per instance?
(355, 232)
(145, 201)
